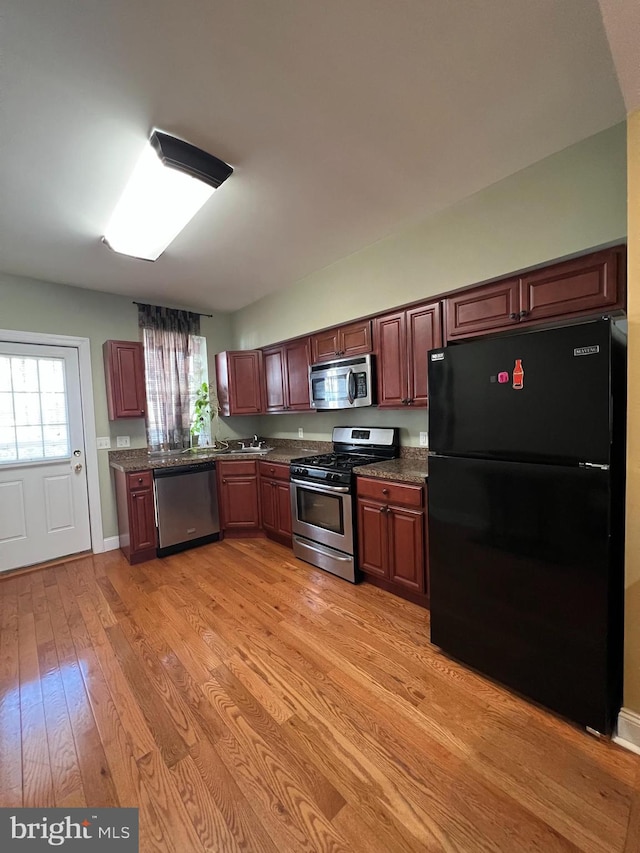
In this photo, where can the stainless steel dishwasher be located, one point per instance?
(186, 506)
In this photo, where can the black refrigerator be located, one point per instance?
(526, 513)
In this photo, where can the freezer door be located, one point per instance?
(523, 587)
(539, 396)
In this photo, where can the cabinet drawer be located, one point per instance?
(237, 469)
(388, 491)
(275, 470)
(140, 480)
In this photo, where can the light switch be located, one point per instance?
(123, 441)
(103, 443)
(300, 432)
(424, 439)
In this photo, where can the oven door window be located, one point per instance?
(331, 388)
(319, 509)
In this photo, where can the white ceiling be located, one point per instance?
(343, 120)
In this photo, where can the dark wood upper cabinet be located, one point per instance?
(124, 376)
(240, 382)
(587, 284)
(286, 372)
(575, 288)
(342, 341)
(402, 340)
(483, 309)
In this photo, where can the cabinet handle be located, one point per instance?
(224, 482)
(382, 509)
(513, 316)
(524, 314)
(139, 479)
(385, 491)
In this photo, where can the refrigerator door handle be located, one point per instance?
(593, 465)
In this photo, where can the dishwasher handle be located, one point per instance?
(177, 470)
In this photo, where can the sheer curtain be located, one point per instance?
(170, 339)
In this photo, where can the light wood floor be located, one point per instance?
(245, 701)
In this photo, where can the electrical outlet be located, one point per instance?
(103, 443)
(300, 432)
(424, 439)
(123, 441)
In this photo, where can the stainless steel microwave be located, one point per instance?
(342, 384)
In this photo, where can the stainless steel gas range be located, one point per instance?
(322, 502)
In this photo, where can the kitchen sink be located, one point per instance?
(260, 450)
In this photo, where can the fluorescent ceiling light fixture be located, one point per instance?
(170, 183)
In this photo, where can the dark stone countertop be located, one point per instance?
(139, 459)
(411, 467)
(403, 470)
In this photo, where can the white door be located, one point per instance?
(44, 507)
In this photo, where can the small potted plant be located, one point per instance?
(202, 413)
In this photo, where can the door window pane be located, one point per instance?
(34, 423)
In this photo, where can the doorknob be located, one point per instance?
(77, 452)
(77, 468)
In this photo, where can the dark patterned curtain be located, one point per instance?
(167, 335)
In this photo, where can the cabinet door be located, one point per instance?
(325, 345)
(483, 309)
(124, 376)
(142, 522)
(238, 493)
(239, 382)
(406, 547)
(282, 494)
(355, 339)
(268, 505)
(372, 538)
(391, 346)
(574, 287)
(297, 356)
(424, 332)
(275, 379)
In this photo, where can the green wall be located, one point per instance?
(38, 306)
(568, 203)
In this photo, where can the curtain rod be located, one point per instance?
(173, 309)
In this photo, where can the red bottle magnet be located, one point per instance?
(518, 375)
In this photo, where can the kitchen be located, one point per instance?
(423, 260)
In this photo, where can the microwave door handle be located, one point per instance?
(351, 387)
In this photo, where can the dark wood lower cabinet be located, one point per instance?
(392, 536)
(275, 501)
(238, 498)
(136, 515)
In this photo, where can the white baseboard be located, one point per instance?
(111, 543)
(628, 731)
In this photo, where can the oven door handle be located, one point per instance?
(316, 487)
(351, 387)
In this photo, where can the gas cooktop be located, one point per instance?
(336, 461)
(352, 446)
